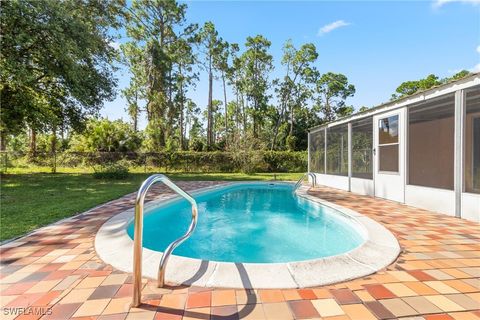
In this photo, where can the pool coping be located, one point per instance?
(380, 249)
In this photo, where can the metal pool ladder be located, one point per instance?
(138, 234)
(299, 182)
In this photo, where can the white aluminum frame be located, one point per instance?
(388, 184)
(458, 184)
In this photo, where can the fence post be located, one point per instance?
(5, 163)
(54, 167)
(167, 162)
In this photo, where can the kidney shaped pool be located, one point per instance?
(251, 222)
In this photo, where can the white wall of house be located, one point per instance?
(471, 206)
(333, 181)
(438, 200)
(362, 186)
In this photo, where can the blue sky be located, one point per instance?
(376, 44)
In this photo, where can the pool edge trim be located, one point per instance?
(380, 249)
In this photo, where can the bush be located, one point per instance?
(249, 162)
(111, 170)
(106, 136)
(285, 161)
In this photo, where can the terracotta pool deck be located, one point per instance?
(54, 273)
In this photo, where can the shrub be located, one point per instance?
(248, 162)
(197, 145)
(111, 170)
(284, 161)
(106, 136)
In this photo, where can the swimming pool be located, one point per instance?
(251, 235)
(253, 223)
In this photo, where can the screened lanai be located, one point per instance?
(423, 150)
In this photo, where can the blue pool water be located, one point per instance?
(251, 222)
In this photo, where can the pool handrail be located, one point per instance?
(138, 234)
(306, 174)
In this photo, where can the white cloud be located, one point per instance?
(332, 26)
(440, 3)
(478, 49)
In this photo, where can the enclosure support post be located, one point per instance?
(325, 152)
(349, 156)
(308, 150)
(458, 147)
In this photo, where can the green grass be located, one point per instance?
(31, 200)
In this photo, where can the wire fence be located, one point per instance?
(182, 161)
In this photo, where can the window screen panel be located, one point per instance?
(472, 140)
(388, 158)
(337, 150)
(431, 129)
(362, 143)
(388, 130)
(317, 151)
(388, 144)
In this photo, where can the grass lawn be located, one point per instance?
(31, 200)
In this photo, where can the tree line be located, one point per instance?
(58, 63)
(408, 88)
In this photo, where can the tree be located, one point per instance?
(332, 90)
(132, 57)
(410, 87)
(185, 78)
(222, 63)
(211, 46)
(236, 76)
(305, 118)
(196, 132)
(258, 64)
(155, 27)
(217, 122)
(56, 62)
(459, 75)
(299, 74)
(131, 94)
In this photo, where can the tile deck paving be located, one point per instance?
(54, 273)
